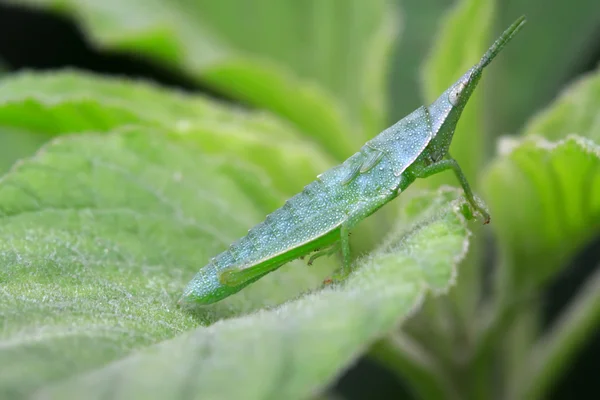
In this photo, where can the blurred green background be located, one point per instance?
(561, 42)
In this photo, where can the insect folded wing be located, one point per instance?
(371, 161)
(352, 174)
(360, 167)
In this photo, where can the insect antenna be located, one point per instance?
(501, 42)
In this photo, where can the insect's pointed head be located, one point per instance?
(458, 94)
(446, 110)
(499, 44)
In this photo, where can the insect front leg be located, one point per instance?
(450, 163)
(344, 245)
(324, 252)
(362, 211)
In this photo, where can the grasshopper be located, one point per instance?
(321, 216)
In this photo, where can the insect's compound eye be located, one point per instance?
(455, 93)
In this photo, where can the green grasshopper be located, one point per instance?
(321, 216)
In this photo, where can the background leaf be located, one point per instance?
(556, 213)
(557, 210)
(557, 207)
(15, 144)
(70, 102)
(319, 64)
(575, 111)
(294, 350)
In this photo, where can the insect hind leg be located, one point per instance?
(450, 163)
(360, 213)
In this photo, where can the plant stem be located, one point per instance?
(408, 359)
(554, 351)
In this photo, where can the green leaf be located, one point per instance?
(544, 199)
(558, 185)
(16, 144)
(575, 111)
(462, 40)
(294, 350)
(99, 235)
(69, 102)
(319, 64)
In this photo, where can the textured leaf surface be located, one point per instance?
(16, 144)
(99, 235)
(319, 64)
(293, 350)
(70, 102)
(575, 111)
(545, 200)
(461, 42)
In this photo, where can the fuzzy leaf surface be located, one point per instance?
(99, 235)
(294, 350)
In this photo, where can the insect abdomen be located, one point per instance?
(302, 218)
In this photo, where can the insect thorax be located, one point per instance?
(403, 142)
